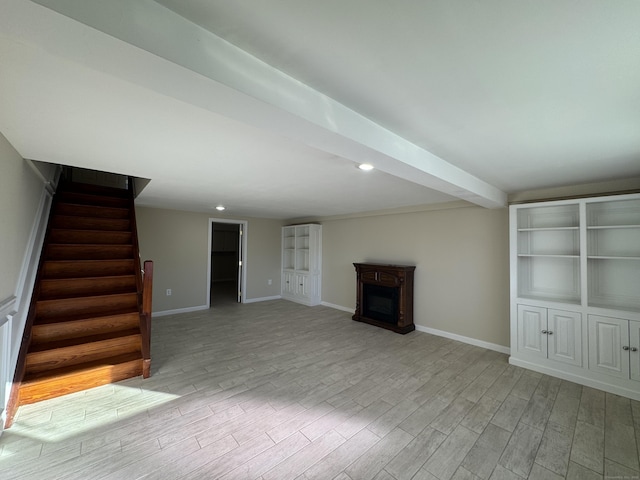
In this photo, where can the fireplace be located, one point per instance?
(380, 303)
(385, 296)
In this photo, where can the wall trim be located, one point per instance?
(7, 309)
(440, 333)
(582, 380)
(164, 313)
(461, 338)
(338, 307)
(262, 299)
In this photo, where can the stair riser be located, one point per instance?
(53, 332)
(88, 237)
(89, 223)
(78, 269)
(90, 211)
(96, 190)
(88, 252)
(96, 200)
(82, 287)
(78, 354)
(87, 306)
(63, 385)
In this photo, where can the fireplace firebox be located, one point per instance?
(385, 296)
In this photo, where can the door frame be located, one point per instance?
(242, 254)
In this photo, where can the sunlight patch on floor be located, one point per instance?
(65, 417)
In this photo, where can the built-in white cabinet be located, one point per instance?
(550, 334)
(302, 263)
(614, 347)
(575, 290)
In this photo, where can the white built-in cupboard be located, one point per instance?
(302, 263)
(575, 290)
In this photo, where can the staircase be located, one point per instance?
(89, 322)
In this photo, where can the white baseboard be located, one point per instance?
(439, 333)
(262, 299)
(164, 313)
(338, 307)
(460, 338)
(589, 382)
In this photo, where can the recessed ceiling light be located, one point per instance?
(365, 166)
(220, 208)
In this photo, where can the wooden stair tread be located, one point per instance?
(87, 268)
(60, 330)
(75, 351)
(90, 223)
(66, 251)
(82, 367)
(97, 211)
(83, 316)
(90, 305)
(74, 342)
(58, 288)
(90, 237)
(98, 190)
(80, 198)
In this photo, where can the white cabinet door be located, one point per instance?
(302, 285)
(288, 283)
(564, 337)
(634, 343)
(532, 322)
(607, 337)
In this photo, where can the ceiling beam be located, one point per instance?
(193, 65)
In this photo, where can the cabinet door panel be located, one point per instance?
(607, 336)
(531, 322)
(288, 283)
(565, 337)
(634, 342)
(302, 285)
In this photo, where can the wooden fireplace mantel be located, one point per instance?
(397, 281)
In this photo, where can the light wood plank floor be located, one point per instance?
(277, 391)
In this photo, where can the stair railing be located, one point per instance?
(144, 283)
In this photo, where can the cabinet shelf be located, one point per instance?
(544, 229)
(608, 227)
(550, 255)
(611, 257)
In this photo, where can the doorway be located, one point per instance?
(227, 245)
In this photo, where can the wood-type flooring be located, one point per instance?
(277, 391)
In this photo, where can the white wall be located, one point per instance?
(462, 265)
(177, 242)
(24, 206)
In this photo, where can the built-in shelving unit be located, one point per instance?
(549, 253)
(575, 290)
(613, 254)
(302, 263)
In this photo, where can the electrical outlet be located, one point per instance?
(269, 282)
(168, 292)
